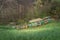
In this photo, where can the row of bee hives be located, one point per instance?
(34, 23)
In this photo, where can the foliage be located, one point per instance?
(20, 21)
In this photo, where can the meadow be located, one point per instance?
(49, 31)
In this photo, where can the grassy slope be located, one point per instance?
(46, 32)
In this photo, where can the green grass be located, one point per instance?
(50, 31)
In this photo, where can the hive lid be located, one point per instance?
(35, 20)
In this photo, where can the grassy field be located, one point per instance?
(50, 31)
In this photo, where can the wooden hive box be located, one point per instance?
(35, 22)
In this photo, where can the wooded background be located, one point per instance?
(24, 10)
